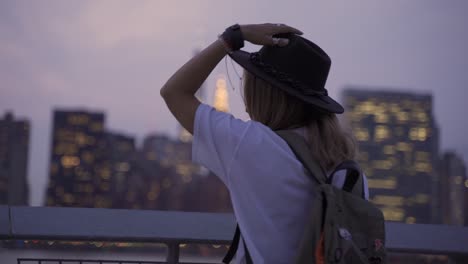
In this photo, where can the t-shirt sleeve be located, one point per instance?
(216, 138)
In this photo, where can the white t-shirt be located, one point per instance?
(270, 192)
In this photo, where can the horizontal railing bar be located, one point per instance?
(100, 261)
(91, 261)
(167, 227)
(84, 224)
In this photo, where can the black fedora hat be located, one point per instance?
(299, 68)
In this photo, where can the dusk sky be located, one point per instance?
(113, 56)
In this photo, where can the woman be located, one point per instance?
(284, 89)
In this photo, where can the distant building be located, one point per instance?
(79, 174)
(121, 154)
(88, 166)
(177, 172)
(398, 145)
(452, 173)
(14, 145)
(181, 184)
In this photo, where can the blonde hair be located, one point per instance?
(273, 107)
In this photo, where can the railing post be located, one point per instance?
(173, 253)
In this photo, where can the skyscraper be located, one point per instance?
(398, 145)
(121, 154)
(178, 183)
(89, 167)
(452, 172)
(14, 145)
(221, 97)
(79, 172)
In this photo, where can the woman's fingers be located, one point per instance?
(262, 34)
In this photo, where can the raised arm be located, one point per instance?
(179, 91)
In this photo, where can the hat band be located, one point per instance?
(285, 77)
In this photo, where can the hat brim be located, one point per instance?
(321, 101)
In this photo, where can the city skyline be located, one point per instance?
(114, 57)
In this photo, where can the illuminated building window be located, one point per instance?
(393, 214)
(81, 139)
(382, 164)
(361, 134)
(65, 149)
(380, 117)
(403, 146)
(418, 133)
(466, 183)
(70, 161)
(420, 116)
(78, 120)
(381, 133)
(389, 184)
(423, 167)
(410, 220)
(388, 200)
(402, 116)
(367, 107)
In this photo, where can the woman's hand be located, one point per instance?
(262, 34)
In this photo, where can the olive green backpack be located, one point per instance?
(343, 226)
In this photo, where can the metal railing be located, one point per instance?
(82, 261)
(176, 228)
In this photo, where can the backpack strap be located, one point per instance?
(354, 181)
(300, 147)
(233, 248)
